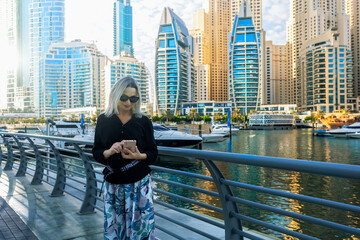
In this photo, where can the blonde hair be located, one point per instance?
(117, 90)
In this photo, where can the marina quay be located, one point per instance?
(53, 185)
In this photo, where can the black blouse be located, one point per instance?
(110, 130)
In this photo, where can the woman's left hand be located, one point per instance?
(126, 153)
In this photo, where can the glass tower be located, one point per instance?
(244, 62)
(71, 77)
(174, 78)
(46, 27)
(123, 32)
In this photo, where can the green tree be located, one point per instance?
(217, 116)
(167, 115)
(320, 114)
(193, 114)
(206, 118)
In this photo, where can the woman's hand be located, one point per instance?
(126, 153)
(115, 148)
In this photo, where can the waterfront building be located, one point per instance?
(278, 108)
(87, 111)
(174, 69)
(256, 9)
(72, 76)
(326, 74)
(275, 88)
(309, 19)
(245, 73)
(46, 27)
(271, 120)
(353, 9)
(209, 108)
(123, 27)
(126, 65)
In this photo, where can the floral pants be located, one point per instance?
(129, 210)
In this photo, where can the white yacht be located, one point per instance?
(63, 129)
(213, 137)
(353, 135)
(171, 138)
(224, 129)
(342, 132)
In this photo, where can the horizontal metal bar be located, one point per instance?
(314, 220)
(183, 173)
(321, 168)
(74, 172)
(75, 180)
(191, 214)
(185, 199)
(195, 189)
(319, 201)
(168, 232)
(272, 226)
(73, 187)
(187, 226)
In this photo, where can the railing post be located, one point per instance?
(231, 222)
(23, 163)
(39, 169)
(10, 159)
(89, 202)
(59, 186)
(1, 153)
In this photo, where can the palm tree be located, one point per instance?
(320, 114)
(193, 114)
(236, 114)
(217, 116)
(168, 114)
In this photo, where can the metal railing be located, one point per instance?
(68, 165)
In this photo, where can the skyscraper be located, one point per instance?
(256, 10)
(353, 9)
(46, 27)
(218, 28)
(310, 19)
(275, 87)
(174, 72)
(123, 27)
(201, 55)
(244, 62)
(72, 77)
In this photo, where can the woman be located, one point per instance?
(128, 196)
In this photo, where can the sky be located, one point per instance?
(91, 21)
(95, 23)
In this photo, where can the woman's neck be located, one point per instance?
(125, 113)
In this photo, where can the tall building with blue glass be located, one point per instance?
(73, 76)
(245, 62)
(46, 27)
(174, 68)
(123, 27)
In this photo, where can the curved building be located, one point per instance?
(174, 78)
(244, 62)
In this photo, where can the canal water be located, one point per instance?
(296, 144)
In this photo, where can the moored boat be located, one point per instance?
(345, 130)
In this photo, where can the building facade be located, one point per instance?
(353, 9)
(209, 108)
(309, 19)
(123, 27)
(326, 75)
(245, 63)
(46, 27)
(256, 10)
(72, 77)
(275, 87)
(174, 68)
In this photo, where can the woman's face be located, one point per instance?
(126, 101)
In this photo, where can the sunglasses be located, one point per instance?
(133, 99)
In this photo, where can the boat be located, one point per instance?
(342, 132)
(353, 135)
(321, 132)
(213, 137)
(224, 129)
(62, 128)
(171, 138)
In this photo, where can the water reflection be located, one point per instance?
(297, 144)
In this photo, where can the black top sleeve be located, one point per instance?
(151, 149)
(99, 144)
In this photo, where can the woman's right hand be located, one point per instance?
(115, 148)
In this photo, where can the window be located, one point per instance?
(240, 37)
(171, 43)
(166, 29)
(162, 44)
(250, 37)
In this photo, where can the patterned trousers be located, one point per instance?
(129, 210)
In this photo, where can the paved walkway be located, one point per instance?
(11, 225)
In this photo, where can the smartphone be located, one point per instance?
(130, 144)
